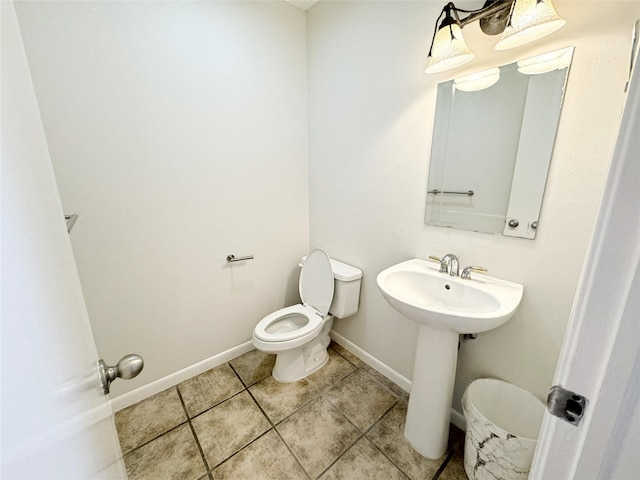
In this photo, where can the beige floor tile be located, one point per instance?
(455, 467)
(333, 371)
(173, 455)
(148, 419)
(388, 436)
(280, 400)
(253, 366)
(320, 418)
(317, 434)
(361, 399)
(347, 355)
(228, 427)
(397, 391)
(267, 458)
(203, 391)
(363, 461)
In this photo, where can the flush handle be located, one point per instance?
(128, 367)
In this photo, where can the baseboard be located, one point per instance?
(404, 383)
(458, 420)
(146, 391)
(384, 369)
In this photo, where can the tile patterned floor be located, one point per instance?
(344, 422)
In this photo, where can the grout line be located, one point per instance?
(193, 432)
(362, 434)
(273, 425)
(373, 425)
(246, 387)
(364, 368)
(295, 457)
(317, 394)
(399, 399)
(159, 435)
(377, 447)
(240, 450)
(213, 406)
(314, 396)
(446, 461)
(373, 377)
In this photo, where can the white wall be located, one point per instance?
(178, 133)
(371, 113)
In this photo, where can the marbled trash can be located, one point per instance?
(502, 430)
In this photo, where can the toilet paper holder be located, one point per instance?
(232, 258)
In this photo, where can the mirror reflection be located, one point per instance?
(492, 143)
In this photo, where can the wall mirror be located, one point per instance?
(493, 136)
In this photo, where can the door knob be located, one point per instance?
(128, 367)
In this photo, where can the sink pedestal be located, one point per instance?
(429, 410)
(444, 306)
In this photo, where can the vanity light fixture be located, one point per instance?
(477, 81)
(519, 21)
(546, 62)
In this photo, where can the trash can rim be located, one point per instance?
(499, 428)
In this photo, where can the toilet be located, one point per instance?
(299, 335)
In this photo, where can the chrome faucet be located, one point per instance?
(466, 271)
(450, 264)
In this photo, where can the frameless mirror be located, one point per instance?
(493, 136)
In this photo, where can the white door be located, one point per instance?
(55, 421)
(600, 358)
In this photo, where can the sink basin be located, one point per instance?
(444, 307)
(418, 290)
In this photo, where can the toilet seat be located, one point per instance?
(299, 323)
(288, 324)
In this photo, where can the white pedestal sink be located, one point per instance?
(444, 307)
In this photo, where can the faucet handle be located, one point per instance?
(444, 262)
(466, 271)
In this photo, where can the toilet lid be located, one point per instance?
(316, 281)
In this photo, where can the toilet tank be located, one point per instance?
(346, 288)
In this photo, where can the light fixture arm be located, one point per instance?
(484, 12)
(450, 12)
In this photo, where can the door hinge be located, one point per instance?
(566, 404)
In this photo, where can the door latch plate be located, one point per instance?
(566, 405)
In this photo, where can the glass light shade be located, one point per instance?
(530, 20)
(546, 62)
(448, 50)
(477, 81)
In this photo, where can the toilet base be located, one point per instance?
(298, 363)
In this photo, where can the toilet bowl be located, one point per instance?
(299, 334)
